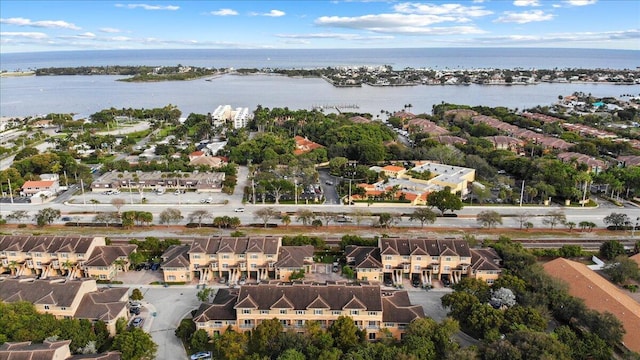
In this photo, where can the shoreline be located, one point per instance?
(17, 73)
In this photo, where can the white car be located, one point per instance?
(201, 355)
(239, 210)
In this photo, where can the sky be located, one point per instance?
(30, 25)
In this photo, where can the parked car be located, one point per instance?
(137, 322)
(155, 267)
(238, 209)
(135, 310)
(415, 283)
(328, 182)
(388, 282)
(65, 218)
(203, 355)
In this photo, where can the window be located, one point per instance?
(63, 308)
(283, 311)
(299, 312)
(269, 256)
(372, 336)
(490, 281)
(46, 307)
(217, 323)
(434, 258)
(335, 312)
(196, 256)
(103, 277)
(241, 256)
(418, 258)
(225, 266)
(246, 311)
(388, 267)
(225, 256)
(299, 323)
(389, 324)
(447, 268)
(171, 278)
(64, 255)
(254, 266)
(264, 312)
(405, 258)
(354, 312)
(254, 256)
(388, 257)
(416, 267)
(447, 259)
(317, 312)
(37, 254)
(373, 313)
(38, 263)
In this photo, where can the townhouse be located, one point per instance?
(233, 259)
(422, 260)
(46, 256)
(49, 350)
(106, 261)
(64, 298)
(295, 304)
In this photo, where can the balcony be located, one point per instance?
(246, 326)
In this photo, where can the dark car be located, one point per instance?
(155, 267)
(65, 218)
(135, 310)
(446, 282)
(388, 282)
(416, 283)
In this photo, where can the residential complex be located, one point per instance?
(371, 308)
(239, 117)
(422, 260)
(63, 298)
(48, 350)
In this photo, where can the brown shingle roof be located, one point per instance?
(105, 304)
(599, 294)
(293, 256)
(300, 296)
(176, 256)
(28, 351)
(222, 307)
(106, 255)
(237, 245)
(398, 309)
(46, 292)
(433, 247)
(48, 244)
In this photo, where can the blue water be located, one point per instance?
(85, 95)
(434, 58)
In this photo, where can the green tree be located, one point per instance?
(230, 345)
(47, 216)
(554, 217)
(489, 218)
(264, 338)
(621, 269)
(346, 335)
(18, 215)
(611, 249)
(305, 216)
(199, 341)
(170, 215)
(286, 220)
(423, 215)
(136, 295)
(184, 331)
(291, 354)
(476, 287)
(444, 200)
(135, 344)
(617, 220)
(266, 214)
(199, 216)
(205, 294)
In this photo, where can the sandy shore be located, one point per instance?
(17, 73)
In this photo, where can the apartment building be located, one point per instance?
(228, 258)
(49, 350)
(239, 117)
(292, 259)
(63, 298)
(423, 260)
(371, 309)
(106, 261)
(46, 255)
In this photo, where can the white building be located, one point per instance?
(239, 117)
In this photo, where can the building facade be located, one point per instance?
(371, 309)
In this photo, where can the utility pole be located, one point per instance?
(10, 191)
(295, 189)
(84, 199)
(253, 189)
(521, 193)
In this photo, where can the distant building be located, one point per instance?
(239, 117)
(140, 181)
(48, 350)
(304, 145)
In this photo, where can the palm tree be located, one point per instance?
(67, 265)
(286, 220)
(13, 265)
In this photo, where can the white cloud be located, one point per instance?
(149, 7)
(561, 38)
(272, 13)
(52, 24)
(87, 35)
(444, 9)
(410, 24)
(110, 30)
(526, 3)
(224, 12)
(524, 17)
(27, 35)
(338, 36)
(581, 2)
